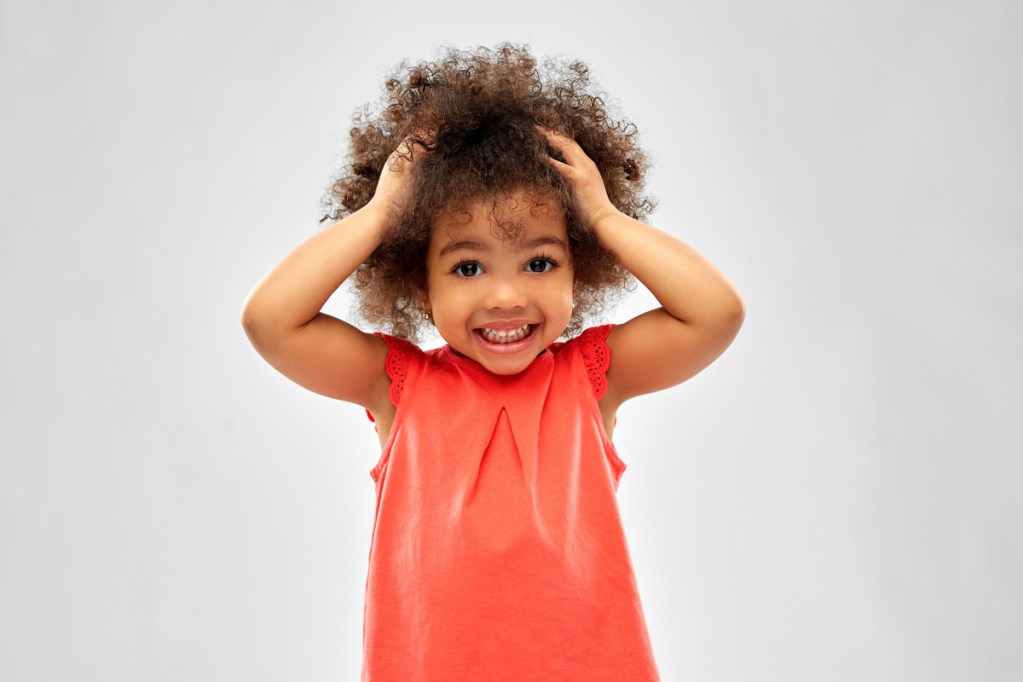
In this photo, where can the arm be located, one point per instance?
(282, 317)
(701, 311)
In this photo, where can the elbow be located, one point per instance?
(738, 313)
(250, 324)
(248, 316)
(732, 315)
(248, 321)
(258, 329)
(251, 318)
(735, 308)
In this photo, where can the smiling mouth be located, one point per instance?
(506, 335)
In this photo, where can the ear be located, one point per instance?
(423, 300)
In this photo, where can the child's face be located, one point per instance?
(497, 300)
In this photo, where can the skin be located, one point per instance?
(700, 311)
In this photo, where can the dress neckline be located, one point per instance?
(449, 354)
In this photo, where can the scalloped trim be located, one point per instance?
(399, 357)
(596, 357)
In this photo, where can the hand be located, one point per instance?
(583, 176)
(394, 177)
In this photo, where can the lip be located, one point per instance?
(507, 348)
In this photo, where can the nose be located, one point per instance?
(505, 293)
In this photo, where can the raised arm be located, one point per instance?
(701, 311)
(282, 317)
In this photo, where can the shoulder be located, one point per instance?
(591, 348)
(402, 357)
(585, 340)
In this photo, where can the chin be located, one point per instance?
(506, 371)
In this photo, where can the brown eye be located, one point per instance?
(541, 265)
(467, 269)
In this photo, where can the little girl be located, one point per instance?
(498, 203)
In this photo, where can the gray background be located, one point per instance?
(836, 498)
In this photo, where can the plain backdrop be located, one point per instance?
(837, 498)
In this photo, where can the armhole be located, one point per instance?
(400, 356)
(596, 357)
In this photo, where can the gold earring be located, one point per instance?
(426, 314)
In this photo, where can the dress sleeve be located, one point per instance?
(399, 357)
(596, 356)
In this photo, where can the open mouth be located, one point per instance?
(504, 336)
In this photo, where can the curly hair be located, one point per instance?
(474, 111)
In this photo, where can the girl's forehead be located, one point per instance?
(512, 220)
(528, 208)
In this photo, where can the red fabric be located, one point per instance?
(498, 551)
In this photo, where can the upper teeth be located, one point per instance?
(505, 335)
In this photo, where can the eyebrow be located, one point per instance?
(469, 245)
(463, 244)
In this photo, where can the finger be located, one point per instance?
(402, 151)
(564, 169)
(554, 139)
(403, 157)
(565, 145)
(406, 154)
(396, 162)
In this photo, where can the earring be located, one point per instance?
(426, 314)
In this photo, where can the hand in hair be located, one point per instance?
(582, 175)
(397, 170)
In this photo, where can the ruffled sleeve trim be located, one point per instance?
(399, 357)
(596, 356)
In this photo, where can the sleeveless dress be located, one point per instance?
(498, 551)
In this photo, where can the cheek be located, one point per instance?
(567, 309)
(563, 302)
(450, 305)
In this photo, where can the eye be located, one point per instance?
(540, 265)
(467, 269)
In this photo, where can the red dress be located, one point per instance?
(498, 551)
